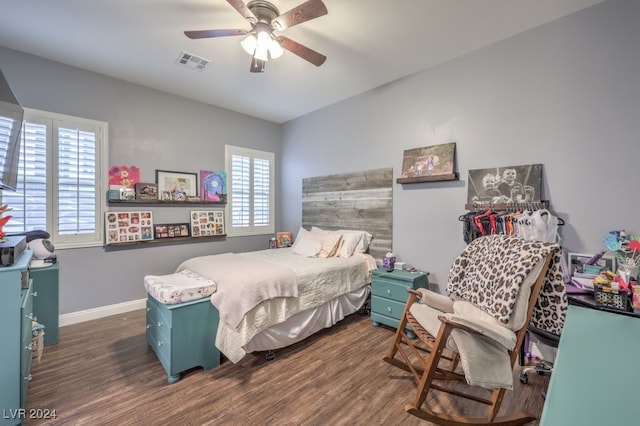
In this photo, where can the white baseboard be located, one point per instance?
(101, 312)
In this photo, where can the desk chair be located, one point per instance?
(494, 276)
(544, 366)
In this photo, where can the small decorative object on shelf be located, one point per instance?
(627, 250)
(127, 227)
(124, 176)
(172, 230)
(285, 239)
(4, 220)
(213, 186)
(146, 191)
(207, 223)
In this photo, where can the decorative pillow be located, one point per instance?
(363, 243)
(354, 241)
(329, 242)
(307, 247)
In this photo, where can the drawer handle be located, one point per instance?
(389, 308)
(29, 347)
(159, 323)
(148, 326)
(388, 291)
(31, 317)
(35, 294)
(28, 378)
(148, 309)
(160, 343)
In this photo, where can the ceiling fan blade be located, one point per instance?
(257, 65)
(243, 10)
(214, 33)
(308, 10)
(304, 52)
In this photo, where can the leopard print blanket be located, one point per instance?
(490, 270)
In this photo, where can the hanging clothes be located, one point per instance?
(533, 224)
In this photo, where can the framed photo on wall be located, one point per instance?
(171, 230)
(213, 186)
(505, 184)
(207, 223)
(128, 227)
(429, 164)
(179, 185)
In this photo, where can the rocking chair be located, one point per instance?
(466, 337)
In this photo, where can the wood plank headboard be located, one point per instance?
(359, 200)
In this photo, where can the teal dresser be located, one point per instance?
(16, 314)
(183, 335)
(389, 294)
(46, 305)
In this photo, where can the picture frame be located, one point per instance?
(429, 164)
(146, 191)
(171, 230)
(180, 185)
(128, 227)
(284, 239)
(577, 261)
(213, 186)
(207, 223)
(505, 185)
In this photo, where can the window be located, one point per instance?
(59, 179)
(250, 201)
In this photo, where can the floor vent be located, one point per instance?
(192, 61)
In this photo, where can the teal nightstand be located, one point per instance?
(389, 294)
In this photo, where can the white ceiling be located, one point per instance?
(367, 42)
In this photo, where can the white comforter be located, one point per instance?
(242, 282)
(319, 280)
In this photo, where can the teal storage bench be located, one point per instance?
(183, 335)
(182, 322)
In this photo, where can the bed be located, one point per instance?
(326, 290)
(327, 286)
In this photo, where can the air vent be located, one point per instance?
(192, 61)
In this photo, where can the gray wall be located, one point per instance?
(566, 95)
(149, 129)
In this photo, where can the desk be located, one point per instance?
(593, 381)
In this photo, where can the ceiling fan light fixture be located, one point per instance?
(249, 44)
(275, 50)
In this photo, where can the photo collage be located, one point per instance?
(128, 227)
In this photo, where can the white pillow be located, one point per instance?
(354, 241)
(307, 247)
(363, 242)
(329, 241)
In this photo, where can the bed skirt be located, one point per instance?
(305, 323)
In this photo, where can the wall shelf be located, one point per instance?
(164, 241)
(435, 178)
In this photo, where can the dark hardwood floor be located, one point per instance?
(103, 373)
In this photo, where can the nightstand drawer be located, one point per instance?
(389, 289)
(387, 307)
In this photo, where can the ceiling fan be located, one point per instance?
(261, 42)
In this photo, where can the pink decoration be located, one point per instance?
(124, 176)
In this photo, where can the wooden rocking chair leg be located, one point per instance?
(400, 330)
(430, 368)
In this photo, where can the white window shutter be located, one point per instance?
(251, 191)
